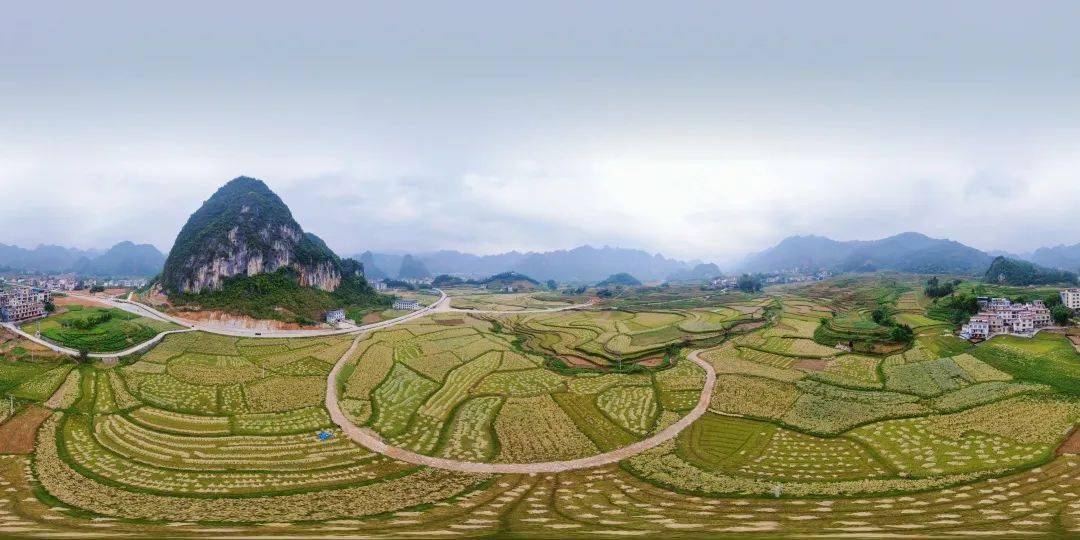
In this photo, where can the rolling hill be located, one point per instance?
(906, 252)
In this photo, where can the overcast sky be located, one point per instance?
(699, 130)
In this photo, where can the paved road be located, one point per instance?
(373, 441)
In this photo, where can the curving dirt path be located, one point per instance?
(370, 439)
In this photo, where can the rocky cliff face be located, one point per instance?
(246, 229)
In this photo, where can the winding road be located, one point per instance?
(370, 439)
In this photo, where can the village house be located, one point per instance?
(335, 316)
(406, 304)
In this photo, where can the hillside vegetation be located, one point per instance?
(1014, 272)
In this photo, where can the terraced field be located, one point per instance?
(468, 390)
(208, 435)
(618, 339)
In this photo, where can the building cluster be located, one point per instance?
(772, 278)
(71, 282)
(22, 303)
(1001, 316)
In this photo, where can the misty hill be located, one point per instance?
(700, 272)
(243, 252)
(125, 259)
(1061, 257)
(622, 278)
(906, 252)
(1016, 272)
(412, 268)
(371, 270)
(584, 264)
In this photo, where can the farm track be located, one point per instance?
(374, 442)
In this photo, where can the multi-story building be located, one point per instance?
(1071, 298)
(403, 303)
(335, 316)
(976, 328)
(21, 303)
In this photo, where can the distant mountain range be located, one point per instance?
(125, 259)
(907, 252)
(585, 264)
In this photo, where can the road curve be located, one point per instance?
(374, 442)
(72, 352)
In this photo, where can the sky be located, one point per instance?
(701, 130)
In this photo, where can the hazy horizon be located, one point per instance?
(697, 130)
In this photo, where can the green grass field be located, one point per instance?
(1046, 358)
(98, 329)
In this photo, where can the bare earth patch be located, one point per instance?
(72, 300)
(811, 364)
(1071, 445)
(371, 318)
(651, 362)
(450, 322)
(747, 326)
(17, 435)
(578, 361)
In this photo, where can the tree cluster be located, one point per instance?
(937, 289)
(749, 283)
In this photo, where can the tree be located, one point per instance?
(1052, 300)
(551, 284)
(880, 315)
(748, 283)
(902, 333)
(97, 288)
(50, 306)
(1061, 314)
(84, 356)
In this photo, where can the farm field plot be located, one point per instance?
(206, 416)
(601, 339)
(98, 329)
(498, 403)
(485, 301)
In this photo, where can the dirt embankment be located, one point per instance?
(227, 321)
